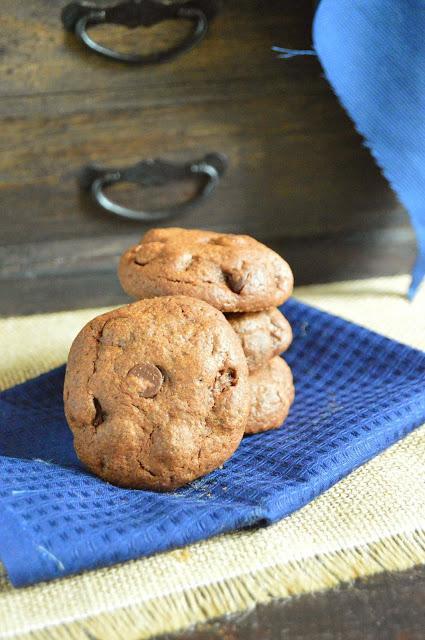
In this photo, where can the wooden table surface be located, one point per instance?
(384, 607)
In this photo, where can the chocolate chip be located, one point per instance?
(149, 379)
(235, 280)
(225, 379)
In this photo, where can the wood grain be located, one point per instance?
(296, 165)
(297, 169)
(238, 45)
(261, 189)
(65, 274)
(384, 607)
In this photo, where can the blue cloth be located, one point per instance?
(373, 54)
(356, 393)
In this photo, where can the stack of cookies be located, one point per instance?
(161, 391)
(238, 276)
(264, 335)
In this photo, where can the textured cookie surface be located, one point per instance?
(263, 335)
(156, 393)
(272, 393)
(231, 272)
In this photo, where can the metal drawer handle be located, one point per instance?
(77, 17)
(148, 173)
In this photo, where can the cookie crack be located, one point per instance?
(99, 414)
(146, 470)
(98, 339)
(185, 281)
(142, 466)
(201, 448)
(274, 327)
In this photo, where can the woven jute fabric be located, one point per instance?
(371, 521)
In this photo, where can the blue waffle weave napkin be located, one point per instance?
(357, 393)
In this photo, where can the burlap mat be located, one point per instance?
(371, 521)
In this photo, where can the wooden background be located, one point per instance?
(298, 178)
(382, 607)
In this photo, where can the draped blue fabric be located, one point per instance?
(373, 54)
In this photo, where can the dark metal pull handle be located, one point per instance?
(148, 173)
(77, 17)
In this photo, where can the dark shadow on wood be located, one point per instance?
(389, 606)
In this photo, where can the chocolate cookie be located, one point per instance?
(231, 272)
(263, 335)
(156, 393)
(272, 393)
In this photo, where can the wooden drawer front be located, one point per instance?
(297, 170)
